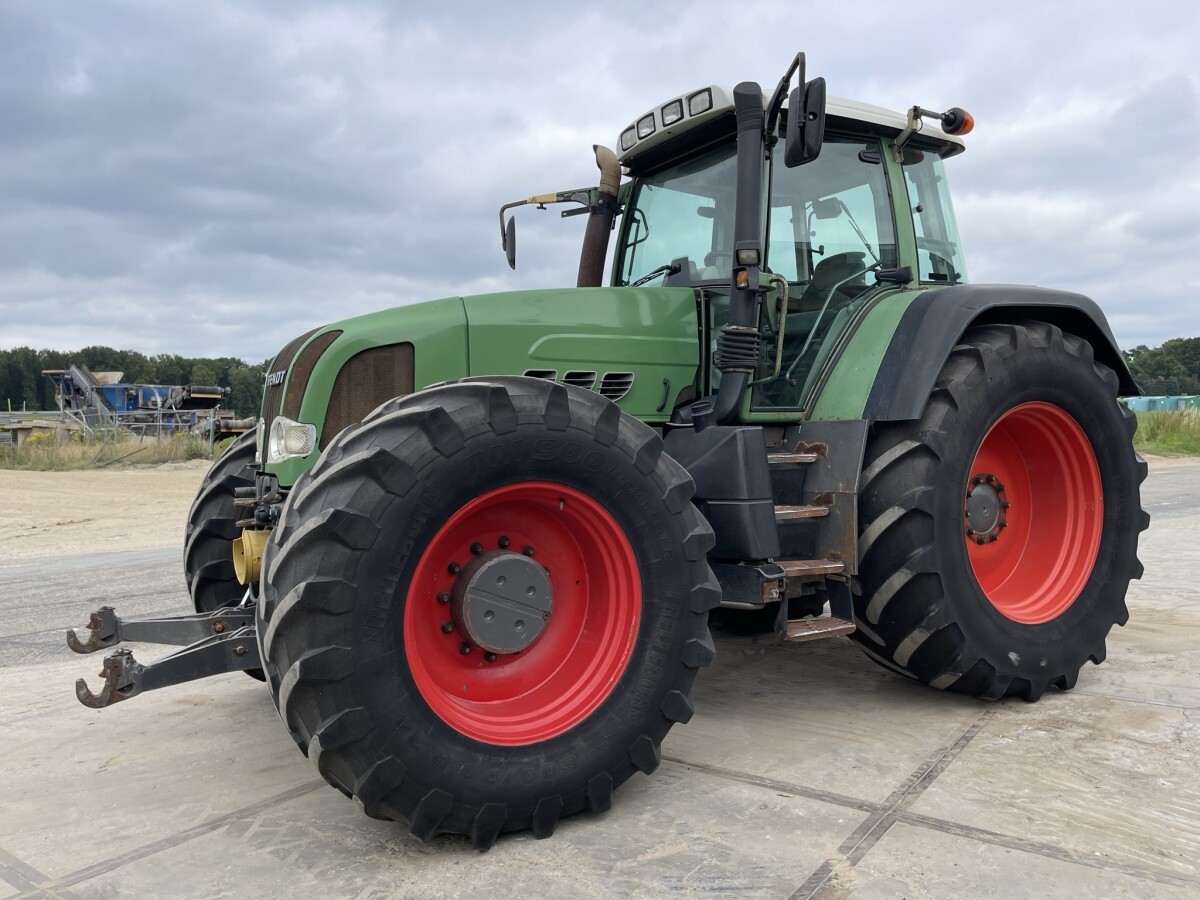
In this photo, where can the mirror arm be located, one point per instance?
(776, 104)
(584, 196)
(579, 195)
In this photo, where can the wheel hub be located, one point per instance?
(986, 509)
(501, 601)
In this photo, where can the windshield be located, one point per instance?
(939, 252)
(683, 213)
(831, 214)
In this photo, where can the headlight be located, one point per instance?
(290, 439)
(260, 445)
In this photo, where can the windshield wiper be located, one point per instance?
(862, 237)
(668, 269)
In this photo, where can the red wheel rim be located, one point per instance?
(1033, 563)
(557, 681)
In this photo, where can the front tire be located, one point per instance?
(998, 533)
(374, 624)
(212, 527)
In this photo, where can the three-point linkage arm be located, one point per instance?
(213, 643)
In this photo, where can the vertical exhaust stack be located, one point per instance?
(738, 340)
(599, 223)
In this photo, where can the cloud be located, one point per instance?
(215, 178)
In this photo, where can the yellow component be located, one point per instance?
(248, 553)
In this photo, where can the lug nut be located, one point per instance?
(454, 568)
(443, 597)
(503, 542)
(464, 648)
(489, 656)
(528, 551)
(477, 548)
(447, 627)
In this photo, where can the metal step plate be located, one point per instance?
(811, 568)
(791, 459)
(794, 513)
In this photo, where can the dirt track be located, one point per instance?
(54, 514)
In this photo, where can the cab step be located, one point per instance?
(790, 459)
(811, 568)
(814, 629)
(796, 513)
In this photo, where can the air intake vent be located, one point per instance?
(366, 380)
(615, 385)
(585, 380)
(548, 374)
(301, 371)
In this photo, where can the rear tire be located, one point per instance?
(361, 639)
(212, 526)
(998, 533)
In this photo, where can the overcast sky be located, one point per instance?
(212, 178)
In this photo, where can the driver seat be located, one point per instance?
(827, 274)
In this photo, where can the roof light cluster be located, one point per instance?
(697, 104)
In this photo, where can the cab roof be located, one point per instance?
(713, 120)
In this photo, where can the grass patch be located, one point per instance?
(1173, 433)
(48, 452)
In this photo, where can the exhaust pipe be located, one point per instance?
(599, 223)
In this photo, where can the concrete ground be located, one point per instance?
(807, 772)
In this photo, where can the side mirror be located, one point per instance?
(805, 124)
(510, 242)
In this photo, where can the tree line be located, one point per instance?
(24, 386)
(1172, 369)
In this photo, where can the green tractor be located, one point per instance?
(477, 541)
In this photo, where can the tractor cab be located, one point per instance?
(842, 231)
(849, 206)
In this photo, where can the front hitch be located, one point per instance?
(213, 643)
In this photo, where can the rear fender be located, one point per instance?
(934, 322)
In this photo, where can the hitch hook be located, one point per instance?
(102, 632)
(120, 681)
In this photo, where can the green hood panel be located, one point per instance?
(650, 333)
(647, 333)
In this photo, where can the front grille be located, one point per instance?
(302, 370)
(273, 393)
(366, 380)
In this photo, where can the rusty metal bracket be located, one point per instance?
(125, 677)
(106, 629)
